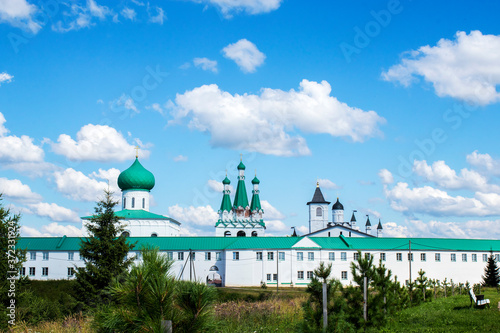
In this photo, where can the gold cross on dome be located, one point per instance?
(137, 151)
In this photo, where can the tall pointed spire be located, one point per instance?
(255, 208)
(226, 200)
(240, 199)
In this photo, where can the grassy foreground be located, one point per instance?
(262, 311)
(451, 314)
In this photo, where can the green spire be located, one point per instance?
(240, 198)
(225, 205)
(255, 205)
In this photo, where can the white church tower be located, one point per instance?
(338, 212)
(318, 211)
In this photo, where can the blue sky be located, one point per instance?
(391, 105)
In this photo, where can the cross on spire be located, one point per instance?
(137, 151)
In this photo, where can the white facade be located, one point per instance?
(318, 216)
(134, 199)
(290, 265)
(151, 227)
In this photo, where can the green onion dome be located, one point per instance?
(136, 177)
(241, 166)
(255, 180)
(226, 181)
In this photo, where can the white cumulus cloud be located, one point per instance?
(246, 55)
(52, 230)
(206, 64)
(327, 184)
(386, 176)
(267, 123)
(53, 212)
(484, 163)
(96, 143)
(77, 186)
(445, 177)
(159, 17)
(436, 202)
(15, 190)
(20, 14)
(466, 68)
(14, 149)
(5, 78)
(203, 216)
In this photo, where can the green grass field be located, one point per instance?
(451, 314)
(262, 310)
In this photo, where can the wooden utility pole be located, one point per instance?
(409, 259)
(365, 298)
(277, 272)
(325, 313)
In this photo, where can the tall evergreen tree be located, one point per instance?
(104, 252)
(491, 276)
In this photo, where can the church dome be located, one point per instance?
(337, 205)
(136, 177)
(241, 166)
(226, 181)
(255, 181)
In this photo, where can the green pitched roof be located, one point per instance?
(221, 243)
(138, 214)
(240, 198)
(225, 205)
(136, 177)
(255, 205)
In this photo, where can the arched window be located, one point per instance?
(124, 203)
(143, 203)
(241, 234)
(227, 234)
(254, 233)
(126, 234)
(133, 202)
(154, 234)
(319, 211)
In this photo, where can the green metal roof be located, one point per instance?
(255, 180)
(263, 243)
(226, 203)
(255, 204)
(226, 181)
(240, 198)
(241, 166)
(136, 177)
(221, 243)
(138, 214)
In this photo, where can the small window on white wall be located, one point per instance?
(143, 203)
(124, 202)
(133, 202)
(319, 211)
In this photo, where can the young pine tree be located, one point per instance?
(104, 252)
(491, 276)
